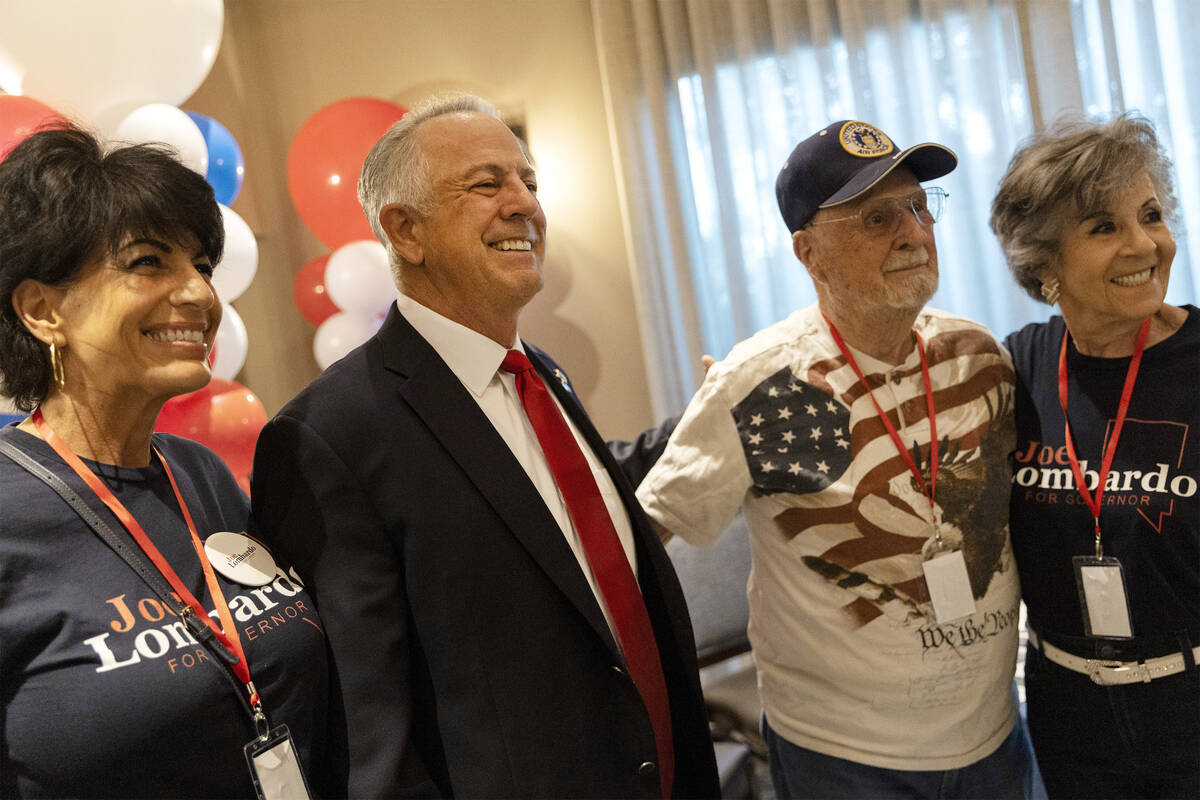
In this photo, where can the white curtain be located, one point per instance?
(707, 97)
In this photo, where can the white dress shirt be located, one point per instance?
(475, 361)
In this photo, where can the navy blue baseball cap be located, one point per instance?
(843, 160)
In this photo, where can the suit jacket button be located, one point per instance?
(647, 768)
(618, 669)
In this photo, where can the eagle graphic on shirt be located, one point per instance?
(798, 439)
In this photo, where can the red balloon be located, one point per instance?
(325, 159)
(21, 116)
(309, 292)
(225, 417)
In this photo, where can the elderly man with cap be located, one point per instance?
(866, 439)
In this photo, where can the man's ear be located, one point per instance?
(36, 305)
(402, 227)
(804, 245)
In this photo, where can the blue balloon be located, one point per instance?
(225, 167)
(7, 418)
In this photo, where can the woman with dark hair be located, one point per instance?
(1105, 521)
(145, 641)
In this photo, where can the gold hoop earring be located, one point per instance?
(1051, 290)
(56, 367)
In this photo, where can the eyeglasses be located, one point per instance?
(881, 217)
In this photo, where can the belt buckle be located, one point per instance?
(1097, 669)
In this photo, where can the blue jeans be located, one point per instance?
(1140, 740)
(801, 774)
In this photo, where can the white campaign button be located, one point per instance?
(240, 558)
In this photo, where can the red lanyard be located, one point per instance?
(1093, 503)
(891, 429)
(229, 635)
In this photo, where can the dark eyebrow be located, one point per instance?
(163, 246)
(1095, 214)
(1104, 212)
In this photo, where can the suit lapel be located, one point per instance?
(561, 388)
(433, 392)
(559, 385)
(654, 570)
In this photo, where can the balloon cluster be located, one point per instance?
(89, 60)
(347, 292)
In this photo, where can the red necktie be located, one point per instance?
(604, 552)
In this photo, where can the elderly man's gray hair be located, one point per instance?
(396, 170)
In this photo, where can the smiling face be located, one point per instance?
(477, 256)
(1114, 263)
(856, 272)
(137, 325)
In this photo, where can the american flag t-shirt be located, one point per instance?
(799, 438)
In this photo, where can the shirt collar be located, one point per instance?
(472, 357)
(870, 364)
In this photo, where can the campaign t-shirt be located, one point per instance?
(1150, 515)
(103, 692)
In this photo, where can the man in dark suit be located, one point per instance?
(483, 641)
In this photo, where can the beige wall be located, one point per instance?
(281, 60)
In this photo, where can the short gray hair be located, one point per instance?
(396, 170)
(1073, 167)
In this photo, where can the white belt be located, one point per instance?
(1115, 673)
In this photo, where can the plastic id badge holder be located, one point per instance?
(275, 767)
(1103, 597)
(949, 586)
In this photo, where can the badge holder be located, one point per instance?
(1103, 597)
(947, 580)
(275, 766)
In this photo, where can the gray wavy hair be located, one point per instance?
(1070, 170)
(397, 171)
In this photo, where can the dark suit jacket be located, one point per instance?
(472, 657)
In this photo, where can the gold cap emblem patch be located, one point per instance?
(864, 140)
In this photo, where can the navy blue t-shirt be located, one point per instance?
(101, 693)
(1150, 517)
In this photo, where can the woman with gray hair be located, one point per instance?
(1105, 520)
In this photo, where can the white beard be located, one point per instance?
(894, 296)
(910, 293)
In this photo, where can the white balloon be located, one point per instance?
(83, 57)
(159, 122)
(358, 278)
(231, 344)
(341, 333)
(239, 264)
